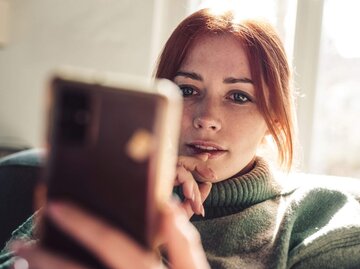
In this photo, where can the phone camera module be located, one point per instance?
(74, 116)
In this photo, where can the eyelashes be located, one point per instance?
(188, 90)
(240, 97)
(236, 96)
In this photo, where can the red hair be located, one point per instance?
(268, 66)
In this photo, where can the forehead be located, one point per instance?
(223, 53)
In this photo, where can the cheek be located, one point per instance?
(186, 121)
(250, 129)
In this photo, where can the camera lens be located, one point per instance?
(74, 115)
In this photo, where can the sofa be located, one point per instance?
(19, 174)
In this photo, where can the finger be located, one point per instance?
(185, 178)
(190, 163)
(193, 207)
(197, 204)
(111, 246)
(190, 208)
(183, 241)
(197, 165)
(190, 189)
(187, 207)
(204, 189)
(203, 156)
(34, 257)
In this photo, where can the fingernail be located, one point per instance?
(202, 211)
(193, 197)
(205, 157)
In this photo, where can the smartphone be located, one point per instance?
(113, 144)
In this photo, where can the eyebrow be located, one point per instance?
(229, 80)
(191, 75)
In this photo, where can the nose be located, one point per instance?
(207, 113)
(207, 123)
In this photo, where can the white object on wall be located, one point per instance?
(4, 21)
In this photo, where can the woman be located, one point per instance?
(234, 77)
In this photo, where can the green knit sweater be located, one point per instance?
(253, 221)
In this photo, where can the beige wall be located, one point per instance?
(115, 35)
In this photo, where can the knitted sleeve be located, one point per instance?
(25, 232)
(326, 233)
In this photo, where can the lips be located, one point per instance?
(200, 147)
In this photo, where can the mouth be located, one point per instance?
(211, 149)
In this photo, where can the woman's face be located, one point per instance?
(220, 115)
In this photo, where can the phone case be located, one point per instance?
(113, 151)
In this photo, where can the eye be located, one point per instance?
(187, 90)
(240, 97)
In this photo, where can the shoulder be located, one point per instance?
(304, 184)
(318, 201)
(322, 217)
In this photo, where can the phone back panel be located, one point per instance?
(103, 147)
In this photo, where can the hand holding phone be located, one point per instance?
(112, 151)
(182, 242)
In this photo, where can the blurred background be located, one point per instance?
(126, 36)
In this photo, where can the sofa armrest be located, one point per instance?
(19, 174)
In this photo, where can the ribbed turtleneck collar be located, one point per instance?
(235, 194)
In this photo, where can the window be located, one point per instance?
(336, 132)
(281, 13)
